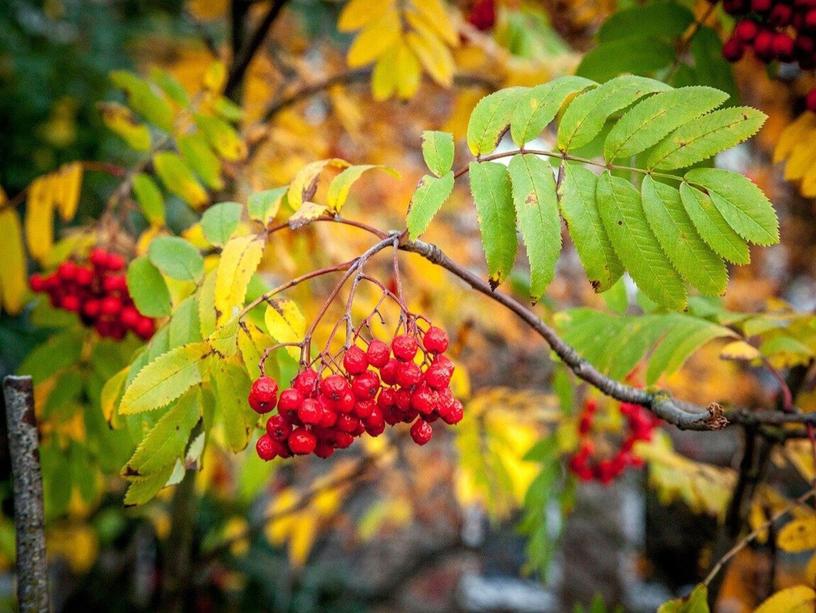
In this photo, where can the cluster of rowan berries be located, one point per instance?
(783, 30)
(381, 385)
(97, 291)
(640, 424)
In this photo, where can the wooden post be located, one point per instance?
(29, 519)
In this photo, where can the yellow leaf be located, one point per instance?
(794, 134)
(797, 599)
(239, 261)
(215, 76)
(740, 351)
(800, 161)
(384, 78)
(305, 181)
(408, 72)
(223, 138)
(178, 178)
(432, 14)
(76, 544)
(810, 570)
(285, 323)
(70, 178)
(110, 394)
(251, 344)
(375, 39)
(434, 55)
(39, 227)
(359, 13)
(12, 260)
(306, 213)
(798, 535)
(120, 120)
(341, 184)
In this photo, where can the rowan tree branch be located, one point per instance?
(29, 518)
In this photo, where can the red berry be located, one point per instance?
(99, 258)
(333, 387)
(482, 15)
(84, 276)
(145, 328)
(115, 283)
(409, 374)
(347, 423)
(783, 46)
(781, 15)
(761, 6)
(424, 400)
(346, 403)
(129, 317)
(301, 441)
(435, 340)
(402, 399)
(355, 360)
(746, 30)
(290, 400)
(67, 271)
(323, 450)
(375, 423)
(366, 385)
(70, 302)
(735, 7)
(110, 306)
(266, 448)
(328, 418)
(278, 428)
(810, 101)
(440, 361)
(763, 45)
(91, 308)
(263, 394)
(342, 440)
(454, 414)
(421, 431)
(310, 412)
(363, 408)
(387, 397)
(377, 353)
(37, 283)
(404, 347)
(437, 378)
(732, 50)
(388, 373)
(305, 382)
(114, 262)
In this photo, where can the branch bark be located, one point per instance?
(29, 518)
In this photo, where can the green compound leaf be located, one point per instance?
(675, 232)
(538, 106)
(430, 195)
(580, 210)
(585, 116)
(712, 227)
(537, 213)
(650, 120)
(706, 136)
(743, 205)
(636, 245)
(490, 185)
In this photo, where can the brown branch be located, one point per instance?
(29, 519)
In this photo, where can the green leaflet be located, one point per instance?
(657, 19)
(150, 103)
(164, 379)
(537, 106)
(198, 155)
(712, 227)
(438, 151)
(636, 246)
(586, 114)
(490, 186)
(231, 388)
(340, 186)
(219, 222)
(147, 288)
(706, 136)
(696, 602)
(430, 195)
(580, 210)
(143, 489)
(184, 326)
(263, 206)
(537, 213)
(490, 119)
(644, 55)
(149, 197)
(650, 120)
(675, 232)
(743, 205)
(167, 440)
(176, 257)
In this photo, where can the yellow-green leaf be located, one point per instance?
(239, 261)
(286, 323)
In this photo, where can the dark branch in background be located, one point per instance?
(29, 519)
(245, 51)
(685, 40)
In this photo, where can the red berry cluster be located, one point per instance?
(381, 385)
(783, 30)
(98, 292)
(640, 424)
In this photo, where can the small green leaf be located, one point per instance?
(178, 178)
(696, 602)
(580, 210)
(537, 213)
(438, 151)
(147, 288)
(176, 258)
(149, 197)
(491, 189)
(150, 103)
(222, 137)
(685, 336)
(430, 195)
(143, 489)
(219, 222)
(636, 246)
(650, 120)
(184, 326)
(538, 106)
(197, 154)
(712, 227)
(706, 136)
(263, 206)
(586, 114)
(167, 440)
(743, 205)
(490, 119)
(170, 86)
(691, 257)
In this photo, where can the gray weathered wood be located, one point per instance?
(29, 520)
